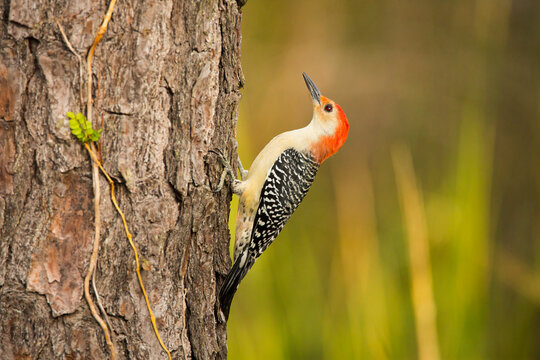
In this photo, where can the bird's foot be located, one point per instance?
(236, 184)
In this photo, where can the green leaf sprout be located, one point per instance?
(82, 128)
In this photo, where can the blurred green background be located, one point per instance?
(420, 238)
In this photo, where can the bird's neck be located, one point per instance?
(328, 141)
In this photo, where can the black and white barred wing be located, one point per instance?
(286, 184)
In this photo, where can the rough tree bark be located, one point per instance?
(166, 87)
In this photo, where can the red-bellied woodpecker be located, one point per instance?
(276, 183)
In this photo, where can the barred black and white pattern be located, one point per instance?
(285, 187)
(286, 184)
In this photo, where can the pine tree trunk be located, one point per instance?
(166, 89)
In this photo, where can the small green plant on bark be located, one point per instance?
(82, 128)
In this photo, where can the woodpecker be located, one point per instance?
(277, 182)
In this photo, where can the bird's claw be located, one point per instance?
(227, 169)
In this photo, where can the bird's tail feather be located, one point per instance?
(229, 287)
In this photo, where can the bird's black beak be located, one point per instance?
(315, 93)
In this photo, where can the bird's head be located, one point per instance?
(330, 122)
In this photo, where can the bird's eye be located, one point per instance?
(328, 107)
